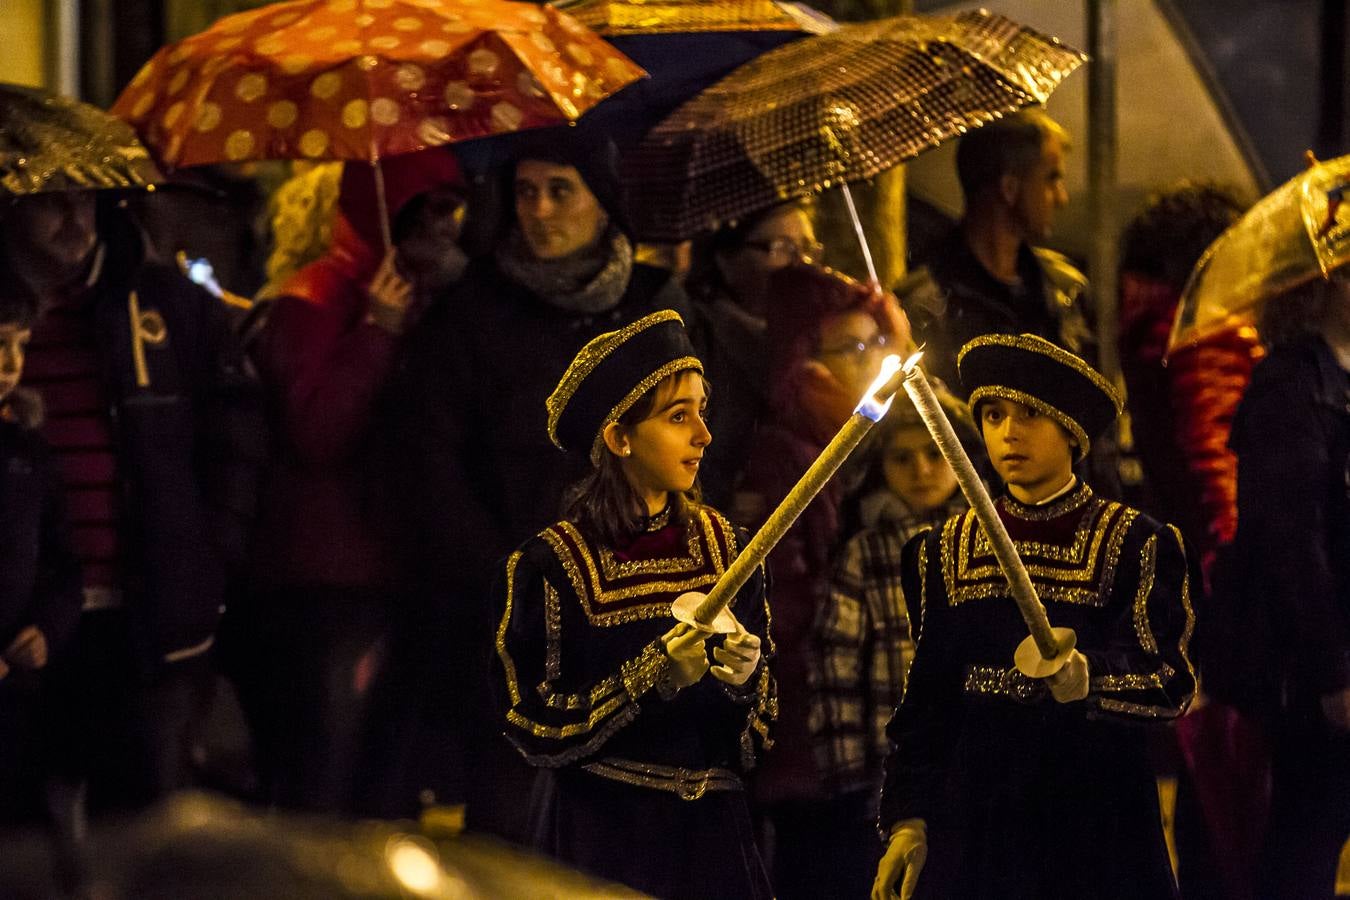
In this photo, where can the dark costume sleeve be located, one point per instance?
(754, 705)
(552, 724)
(1144, 669)
(927, 724)
(560, 710)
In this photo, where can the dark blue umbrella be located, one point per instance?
(685, 46)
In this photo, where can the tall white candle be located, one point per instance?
(1024, 593)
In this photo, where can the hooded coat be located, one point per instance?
(324, 365)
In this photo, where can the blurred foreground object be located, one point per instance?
(200, 846)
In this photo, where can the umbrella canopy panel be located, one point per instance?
(1298, 232)
(619, 17)
(363, 79)
(834, 108)
(54, 143)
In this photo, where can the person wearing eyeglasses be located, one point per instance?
(729, 284)
(827, 335)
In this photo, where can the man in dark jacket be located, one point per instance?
(156, 432)
(468, 456)
(988, 276)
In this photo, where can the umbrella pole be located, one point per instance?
(383, 207)
(862, 237)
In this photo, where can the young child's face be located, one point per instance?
(915, 470)
(1029, 450)
(13, 345)
(667, 447)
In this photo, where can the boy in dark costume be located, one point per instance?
(1006, 786)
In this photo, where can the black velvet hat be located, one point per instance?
(611, 373)
(1030, 370)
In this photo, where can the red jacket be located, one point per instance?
(324, 365)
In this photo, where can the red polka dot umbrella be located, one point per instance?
(365, 79)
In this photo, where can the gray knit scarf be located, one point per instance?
(590, 281)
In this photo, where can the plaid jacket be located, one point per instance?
(862, 650)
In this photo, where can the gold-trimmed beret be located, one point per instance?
(1032, 371)
(611, 373)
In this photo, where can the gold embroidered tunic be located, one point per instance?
(1024, 796)
(579, 647)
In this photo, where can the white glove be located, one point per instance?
(903, 861)
(737, 657)
(688, 656)
(1071, 682)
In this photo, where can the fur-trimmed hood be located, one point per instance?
(24, 408)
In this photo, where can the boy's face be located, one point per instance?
(13, 345)
(1029, 450)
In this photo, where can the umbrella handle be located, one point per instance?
(383, 206)
(862, 237)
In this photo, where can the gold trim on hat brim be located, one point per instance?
(1033, 344)
(590, 356)
(1006, 393)
(683, 364)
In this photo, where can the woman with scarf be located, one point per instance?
(466, 453)
(827, 335)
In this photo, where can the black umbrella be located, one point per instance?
(53, 143)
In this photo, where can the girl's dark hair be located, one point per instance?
(18, 308)
(604, 506)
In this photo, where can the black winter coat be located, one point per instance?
(39, 570)
(1284, 584)
(466, 443)
(190, 437)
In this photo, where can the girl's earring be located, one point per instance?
(627, 451)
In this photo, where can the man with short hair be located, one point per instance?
(157, 432)
(987, 275)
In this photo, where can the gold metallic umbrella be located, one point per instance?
(642, 17)
(53, 143)
(1298, 232)
(835, 108)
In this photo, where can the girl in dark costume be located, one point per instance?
(641, 741)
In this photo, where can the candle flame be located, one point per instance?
(908, 365)
(870, 406)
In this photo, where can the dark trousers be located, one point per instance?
(129, 736)
(304, 661)
(1310, 806)
(821, 848)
